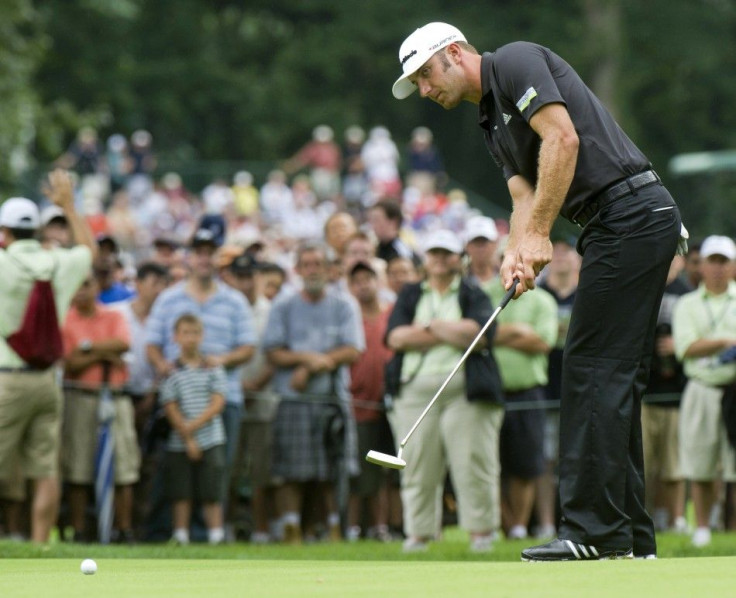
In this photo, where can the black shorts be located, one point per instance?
(371, 436)
(522, 436)
(195, 480)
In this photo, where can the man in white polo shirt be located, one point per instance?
(30, 399)
(703, 327)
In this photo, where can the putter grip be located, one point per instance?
(509, 294)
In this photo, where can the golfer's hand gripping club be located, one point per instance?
(504, 302)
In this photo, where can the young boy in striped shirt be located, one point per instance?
(193, 397)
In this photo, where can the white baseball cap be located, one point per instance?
(480, 227)
(443, 239)
(418, 48)
(51, 212)
(718, 245)
(19, 212)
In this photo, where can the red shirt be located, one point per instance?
(366, 373)
(104, 324)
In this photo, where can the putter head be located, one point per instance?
(385, 460)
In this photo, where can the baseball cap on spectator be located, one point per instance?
(718, 245)
(443, 239)
(418, 48)
(202, 236)
(480, 227)
(19, 212)
(244, 265)
(361, 265)
(215, 223)
(51, 213)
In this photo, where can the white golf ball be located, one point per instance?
(88, 567)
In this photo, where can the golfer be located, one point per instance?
(562, 153)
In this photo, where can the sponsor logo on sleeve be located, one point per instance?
(526, 99)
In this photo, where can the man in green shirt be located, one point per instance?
(704, 326)
(527, 331)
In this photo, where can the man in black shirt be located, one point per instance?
(562, 153)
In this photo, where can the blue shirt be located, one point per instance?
(116, 292)
(227, 321)
(298, 325)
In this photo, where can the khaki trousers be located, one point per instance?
(456, 434)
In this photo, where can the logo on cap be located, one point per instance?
(408, 56)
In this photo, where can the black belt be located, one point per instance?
(22, 369)
(612, 193)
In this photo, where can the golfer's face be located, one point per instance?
(439, 80)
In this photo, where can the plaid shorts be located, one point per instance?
(305, 445)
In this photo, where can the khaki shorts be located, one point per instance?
(30, 416)
(79, 439)
(660, 436)
(705, 452)
(14, 487)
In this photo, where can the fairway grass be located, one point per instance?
(177, 578)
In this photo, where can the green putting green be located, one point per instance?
(190, 578)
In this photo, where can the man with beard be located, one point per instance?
(311, 338)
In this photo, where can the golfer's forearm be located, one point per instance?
(520, 217)
(558, 156)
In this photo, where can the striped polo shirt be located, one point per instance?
(192, 388)
(227, 320)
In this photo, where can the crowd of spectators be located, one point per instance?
(259, 337)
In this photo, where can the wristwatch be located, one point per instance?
(85, 346)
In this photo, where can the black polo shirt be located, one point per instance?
(517, 80)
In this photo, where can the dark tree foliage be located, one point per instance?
(234, 80)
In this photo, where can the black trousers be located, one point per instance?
(627, 249)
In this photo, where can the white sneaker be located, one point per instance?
(353, 534)
(518, 532)
(680, 526)
(260, 538)
(480, 544)
(701, 537)
(413, 544)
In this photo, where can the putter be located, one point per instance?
(397, 462)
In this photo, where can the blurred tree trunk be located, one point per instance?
(603, 20)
